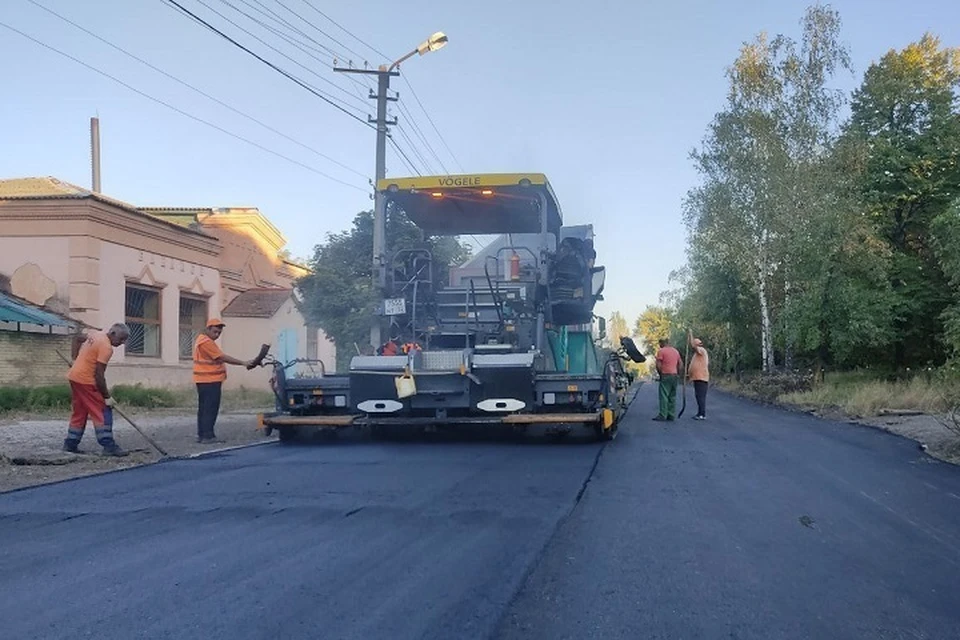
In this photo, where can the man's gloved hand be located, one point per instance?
(110, 402)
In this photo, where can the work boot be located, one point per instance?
(210, 440)
(114, 451)
(71, 446)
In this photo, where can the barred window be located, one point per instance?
(193, 319)
(143, 318)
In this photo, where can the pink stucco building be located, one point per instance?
(162, 271)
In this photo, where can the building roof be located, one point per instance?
(257, 303)
(230, 218)
(49, 188)
(14, 309)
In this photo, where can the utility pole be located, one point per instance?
(95, 154)
(379, 209)
(435, 42)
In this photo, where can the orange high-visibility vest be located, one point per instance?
(205, 366)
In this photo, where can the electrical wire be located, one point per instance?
(279, 2)
(404, 156)
(432, 124)
(176, 5)
(302, 46)
(279, 19)
(178, 110)
(196, 90)
(423, 161)
(410, 170)
(273, 48)
(423, 139)
(346, 31)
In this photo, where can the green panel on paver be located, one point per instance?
(558, 347)
(581, 352)
(573, 351)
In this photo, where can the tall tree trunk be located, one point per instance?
(787, 337)
(766, 333)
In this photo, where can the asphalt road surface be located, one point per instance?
(755, 524)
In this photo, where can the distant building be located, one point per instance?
(96, 260)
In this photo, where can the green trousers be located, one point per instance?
(668, 396)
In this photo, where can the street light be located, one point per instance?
(435, 42)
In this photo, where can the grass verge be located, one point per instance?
(855, 393)
(56, 399)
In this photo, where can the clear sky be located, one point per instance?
(606, 98)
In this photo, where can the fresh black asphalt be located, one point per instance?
(754, 524)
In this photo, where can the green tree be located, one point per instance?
(905, 117)
(339, 295)
(764, 184)
(946, 229)
(654, 324)
(722, 311)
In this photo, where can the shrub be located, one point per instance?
(771, 386)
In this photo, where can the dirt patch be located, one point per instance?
(30, 450)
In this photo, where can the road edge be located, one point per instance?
(846, 419)
(161, 460)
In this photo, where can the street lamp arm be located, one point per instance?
(404, 58)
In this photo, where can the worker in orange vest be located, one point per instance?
(209, 372)
(89, 395)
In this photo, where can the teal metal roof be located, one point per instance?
(13, 311)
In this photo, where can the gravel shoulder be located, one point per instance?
(30, 449)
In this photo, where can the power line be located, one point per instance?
(195, 89)
(410, 86)
(286, 74)
(419, 133)
(417, 129)
(273, 48)
(410, 169)
(348, 49)
(277, 18)
(430, 120)
(477, 240)
(404, 156)
(346, 31)
(416, 151)
(178, 110)
(299, 44)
